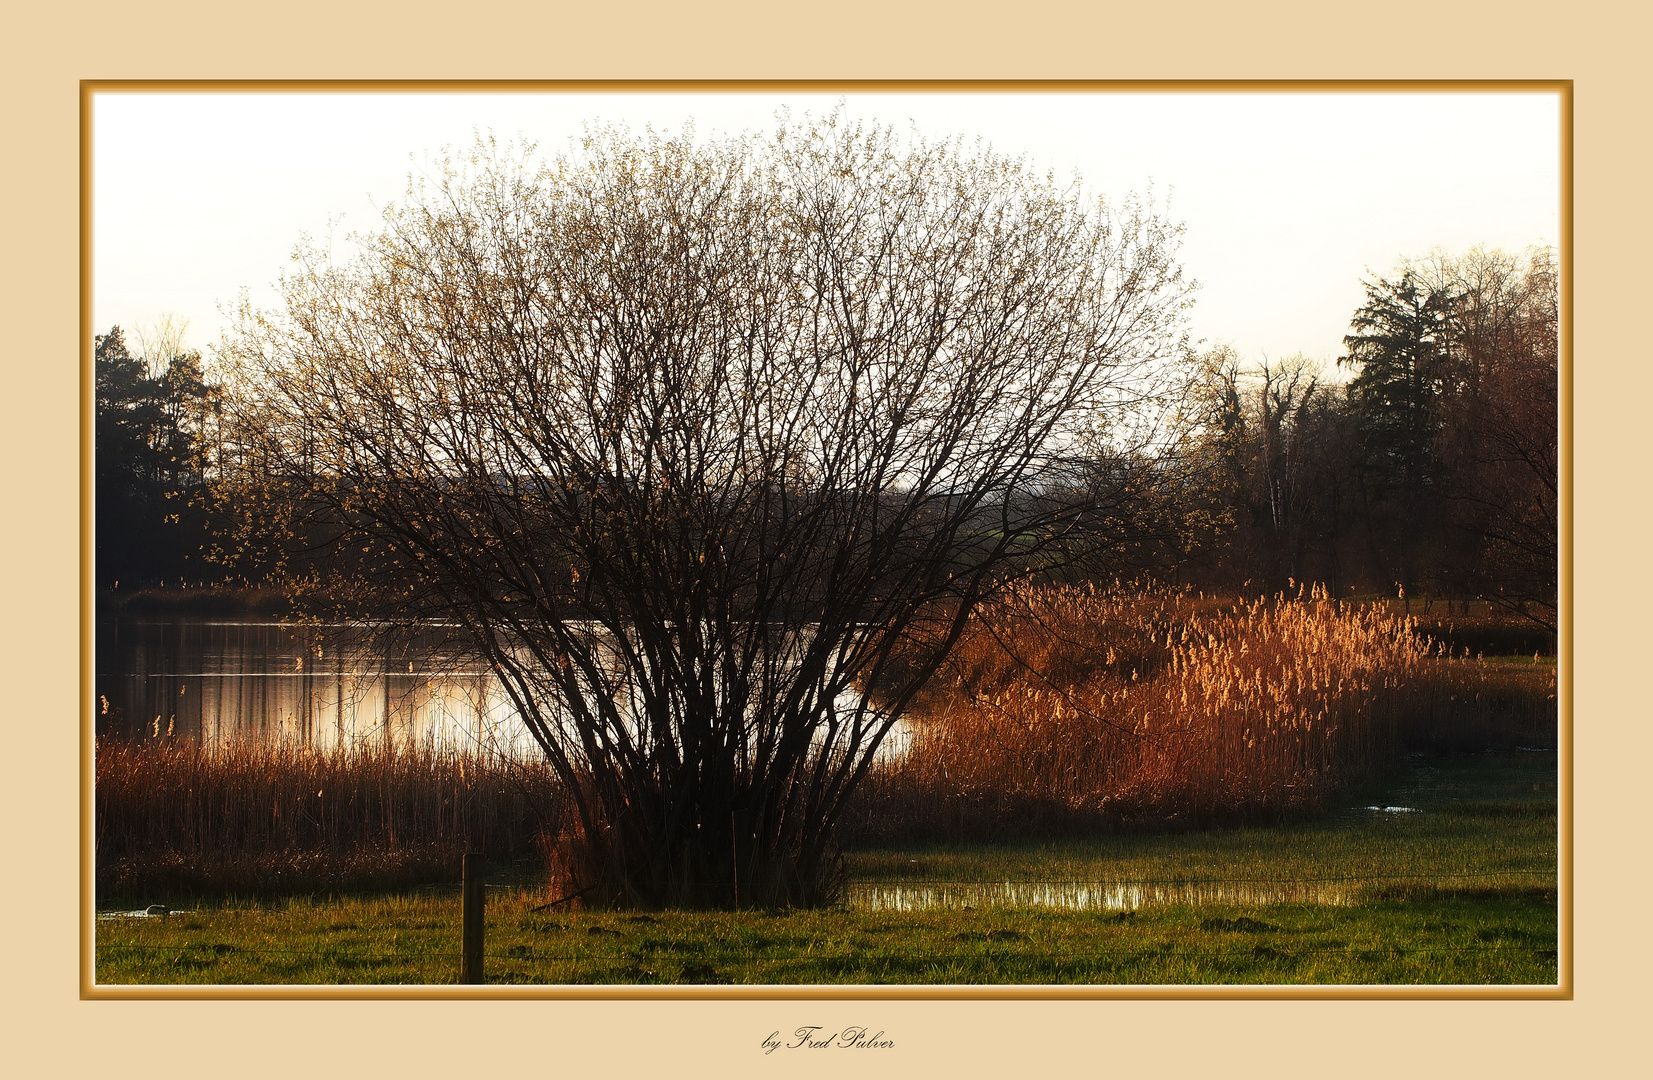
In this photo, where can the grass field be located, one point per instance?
(1500, 939)
(1460, 888)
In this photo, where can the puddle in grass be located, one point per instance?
(1103, 896)
(1528, 777)
(148, 913)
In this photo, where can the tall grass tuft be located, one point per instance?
(174, 817)
(1078, 706)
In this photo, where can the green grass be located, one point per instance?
(1506, 938)
(1462, 892)
(1483, 820)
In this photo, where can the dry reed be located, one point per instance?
(1079, 706)
(174, 816)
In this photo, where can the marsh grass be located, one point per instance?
(1475, 628)
(177, 819)
(1081, 708)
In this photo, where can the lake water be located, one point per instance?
(225, 681)
(260, 681)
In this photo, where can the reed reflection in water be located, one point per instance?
(225, 683)
(332, 686)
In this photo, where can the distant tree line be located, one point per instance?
(1432, 470)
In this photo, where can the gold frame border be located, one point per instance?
(91, 990)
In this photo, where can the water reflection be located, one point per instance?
(332, 686)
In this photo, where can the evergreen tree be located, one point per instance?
(146, 434)
(1401, 351)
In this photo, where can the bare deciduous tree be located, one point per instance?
(1502, 433)
(711, 449)
(1261, 431)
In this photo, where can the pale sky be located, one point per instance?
(1289, 199)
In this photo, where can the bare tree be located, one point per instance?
(1260, 430)
(160, 341)
(710, 448)
(1501, 435)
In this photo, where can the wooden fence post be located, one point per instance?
(471, 968)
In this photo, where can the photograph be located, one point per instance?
(940, 539)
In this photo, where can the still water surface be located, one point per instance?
(250, 681)
(258, 681)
